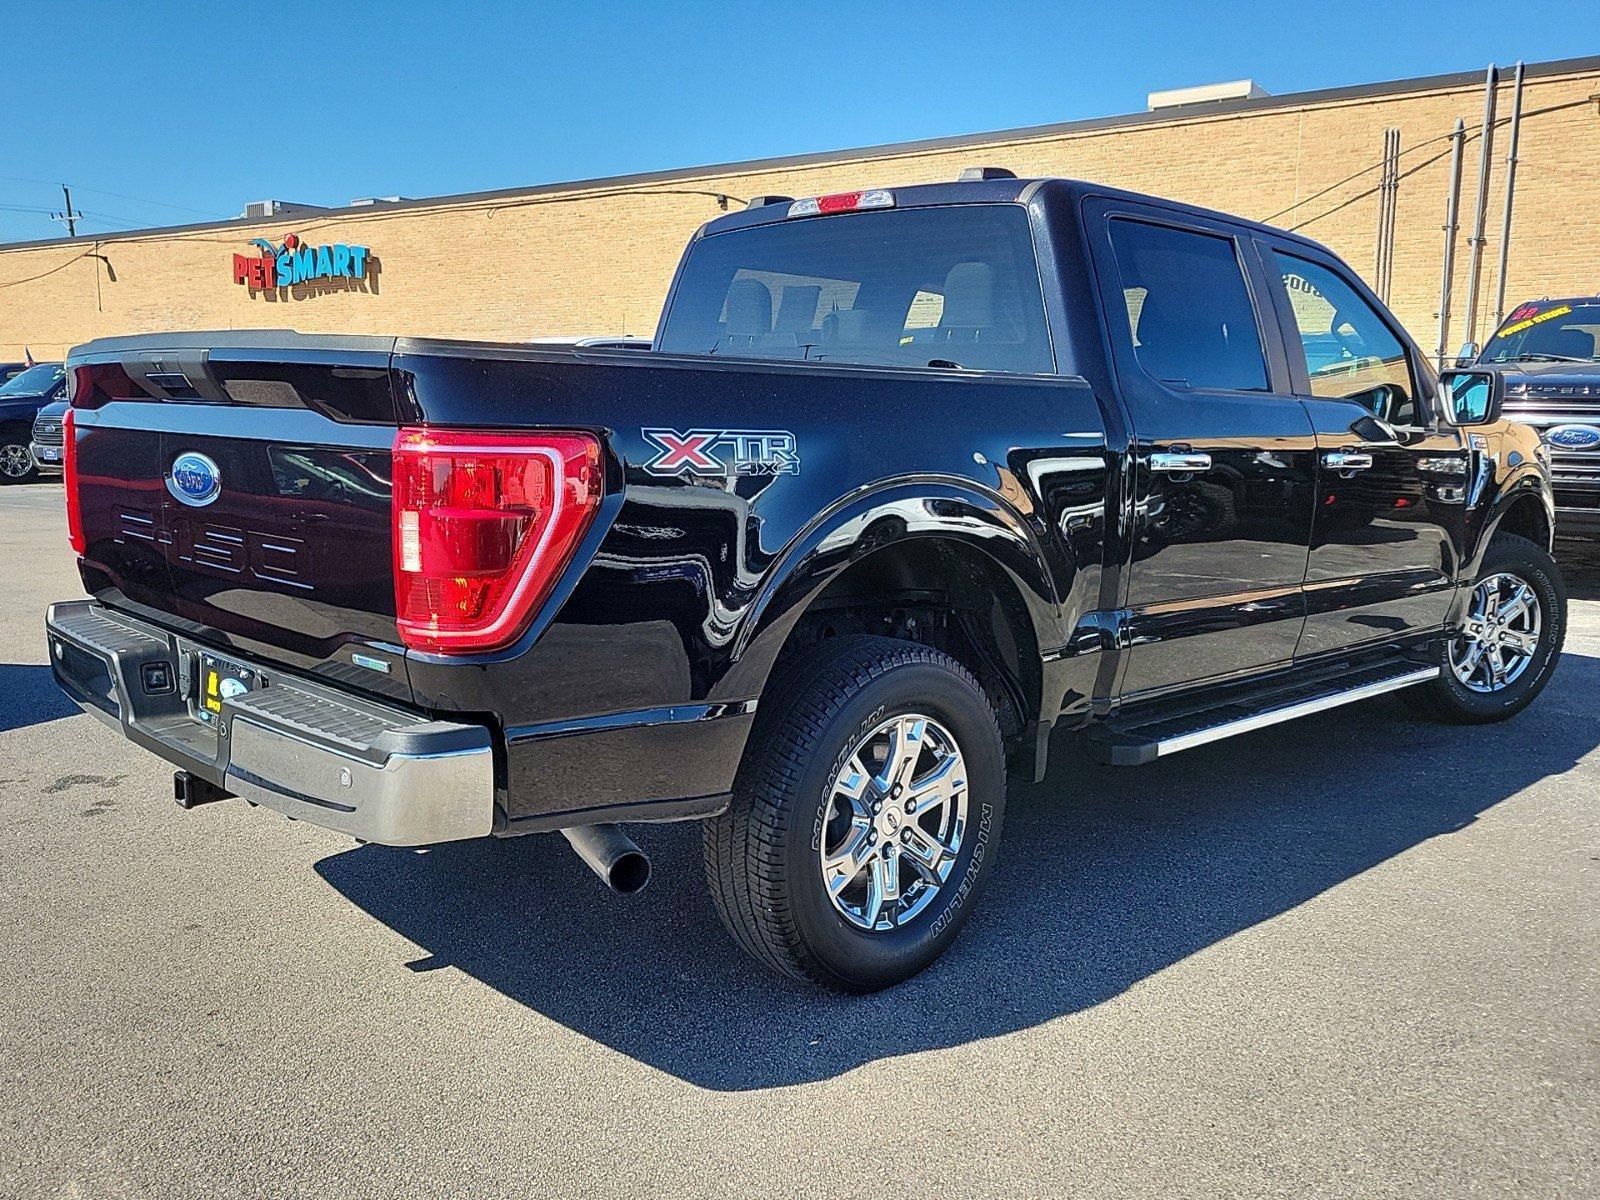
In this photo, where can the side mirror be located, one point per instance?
(1469, 353)
(1472, 397)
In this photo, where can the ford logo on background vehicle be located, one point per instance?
(1573, 437)
(194, 479)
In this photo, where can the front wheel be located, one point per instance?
(1509, 641)
(865, 816)
(16, 460)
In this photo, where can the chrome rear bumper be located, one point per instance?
(307, 750)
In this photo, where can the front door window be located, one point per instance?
(1351, 353)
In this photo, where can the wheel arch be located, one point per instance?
(1525, 508)
(938, 562)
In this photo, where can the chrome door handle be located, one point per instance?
(1180, 462)
(1346, 460)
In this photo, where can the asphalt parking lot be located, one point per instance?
(1356, 956)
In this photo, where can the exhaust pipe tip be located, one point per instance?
(629, 874)
(612, 855)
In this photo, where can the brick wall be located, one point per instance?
(598, 260)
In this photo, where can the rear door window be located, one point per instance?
(1188, 308)
(897, 287)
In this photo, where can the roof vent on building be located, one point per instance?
(258, 210)
(368, 201)
(763, 201)
(970, 173)
(1206, 93)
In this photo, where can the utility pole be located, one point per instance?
(71, 216)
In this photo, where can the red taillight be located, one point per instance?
(484, 525)
(91, 387)
(69, 480)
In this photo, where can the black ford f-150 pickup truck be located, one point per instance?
(908, 480)
(1548, 352)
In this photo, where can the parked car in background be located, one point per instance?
(907, 480)
(47, 438)
(21, 398)
(1548, 352)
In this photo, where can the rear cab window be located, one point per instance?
(914, 287)
(1190, 315)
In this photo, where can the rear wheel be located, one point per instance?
(1509, 641)
(16, 460)
(865, 815)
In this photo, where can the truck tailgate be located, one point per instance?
(237, 487)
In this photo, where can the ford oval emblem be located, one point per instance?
(1573, 437)
(194, 479)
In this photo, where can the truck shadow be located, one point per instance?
(29, 695)
(1105, 877)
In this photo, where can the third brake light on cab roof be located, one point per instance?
(842, 202)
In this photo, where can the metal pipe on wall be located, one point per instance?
(1388, 207)
(1511, 195)
(1383, 220)
(1481, 208)
(1394, 212)
(1452, 225)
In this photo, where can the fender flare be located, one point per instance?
(1524, 485)
(874, 518)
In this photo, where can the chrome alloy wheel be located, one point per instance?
(896, 820)
(15, 461)
(1500, 635)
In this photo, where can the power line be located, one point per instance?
(61, 266)
(93, 215)
(1367, 170)
(1359, 196)
(118, 195)
(108, 218)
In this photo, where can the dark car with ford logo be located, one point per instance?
(1548, 352)
(906, 480)
(48, 438)
(21, 399)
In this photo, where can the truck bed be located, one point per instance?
(716, 471)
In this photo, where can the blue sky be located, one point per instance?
(203, 107)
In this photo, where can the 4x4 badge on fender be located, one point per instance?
(717, 453)
(194, 479)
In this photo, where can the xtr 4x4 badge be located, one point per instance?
(718, 453)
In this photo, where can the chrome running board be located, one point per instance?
(1145, 742)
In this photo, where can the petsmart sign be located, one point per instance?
(295, 262)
